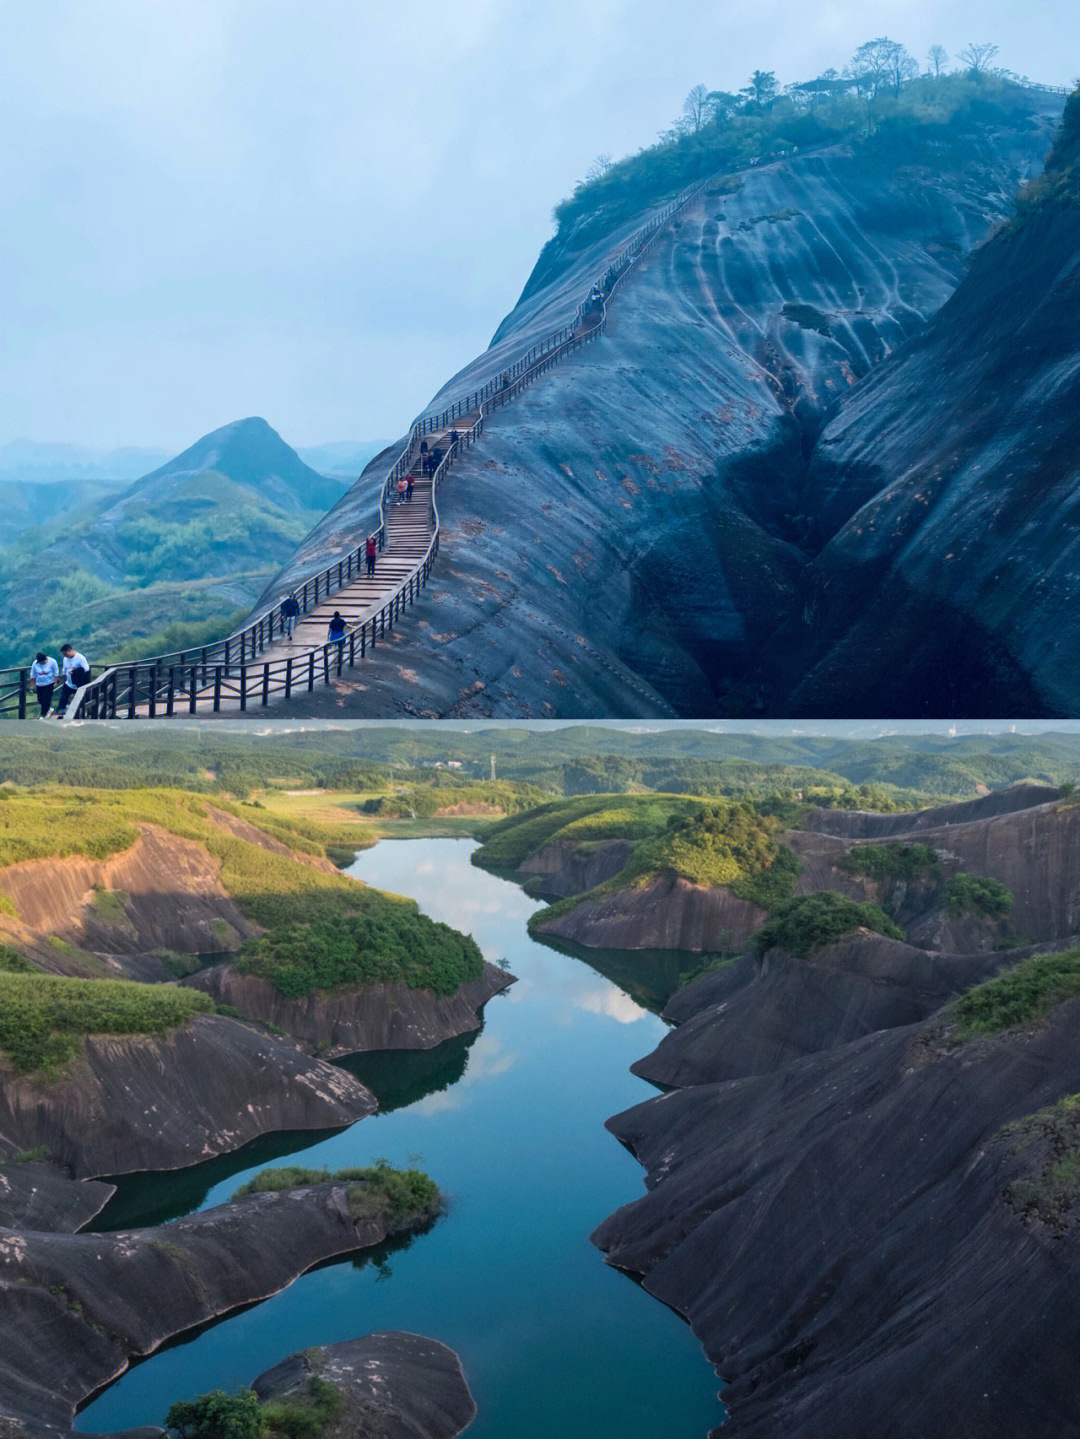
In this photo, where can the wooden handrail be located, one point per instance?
(225, 670)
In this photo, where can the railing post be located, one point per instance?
(22, 694)
(133, 679)
(217, 689)
(152, 696)
(288, 678)
(352, 649)
(243, 687)
(311, 672)
(226, 657)
(266, 683)
(193, 690)
(172, 691)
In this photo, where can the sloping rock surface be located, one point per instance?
(36, 1195)
(837, 1234)
(640, 533)
(346, 1021)
(396, 1386)
(563, 867)
(666, 912)
(163, 1101)
(76, 1309)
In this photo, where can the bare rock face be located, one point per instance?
(396, 1386)
(163, 1101)
(164, 893)
(563, 868)
(36, 1195)
(666, 912)
(75, 1309)
(346, 1021)
(838, 1232)
(755, 1016)
(643, 533)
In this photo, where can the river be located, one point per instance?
(509, 1123)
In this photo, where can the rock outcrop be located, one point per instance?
(399, 1386)
(644, 531)
(563, 868)
(162, 1101)
(75, 1309)
(839, 1232)
(37, 1195)
(664, 912)
(348, 1020)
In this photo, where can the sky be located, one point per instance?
(317, 211)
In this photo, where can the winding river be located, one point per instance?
(509, 1123)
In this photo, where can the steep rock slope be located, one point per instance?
(134, 1102)
(78, 1308)
(840, 1235)
(346, 1021)
(636, 532)
(956, 503)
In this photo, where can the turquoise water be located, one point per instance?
(509, 1123)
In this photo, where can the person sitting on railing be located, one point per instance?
(335, 635)
(76, 674)
(290, 613)
(44, 672)
(371, 552)
(410, 481)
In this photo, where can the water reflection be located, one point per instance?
(509, 1122)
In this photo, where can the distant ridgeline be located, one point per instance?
(173, 558)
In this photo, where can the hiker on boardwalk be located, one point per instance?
(401, 488)
(76, 674)
(371, 552)
(506, 380)
(410, 480)
(436, 458)
(290, 612)
(336, 633)
(425, 458)
(454, 439)
(44, 672)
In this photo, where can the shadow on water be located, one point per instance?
(156, 1196)
(397, 1078)
(400, 1077)
(649, 976)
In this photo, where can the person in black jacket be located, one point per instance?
(290, 613)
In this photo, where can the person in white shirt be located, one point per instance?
(76, 673)
(44, 672)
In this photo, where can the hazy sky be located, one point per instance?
(318, 210)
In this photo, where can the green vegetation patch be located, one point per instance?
(379, 1188)
(967, 892)
(812, 921)
(1048, 1144)
(389, 942)
(219, 1415)
(1025, 992)
(43, 1018)
(12, 962)
(890, 861)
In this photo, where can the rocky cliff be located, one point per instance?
(76, 1309)
(399, 1386)
(645, 531)
(346, 1021)
(162, 1101)
(844, 1234)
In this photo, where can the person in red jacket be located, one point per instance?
(371, 551)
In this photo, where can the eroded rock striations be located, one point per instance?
(77, 1308)
(162, 1101)
(647, 531)
(864, 1213)
(348, 1020)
